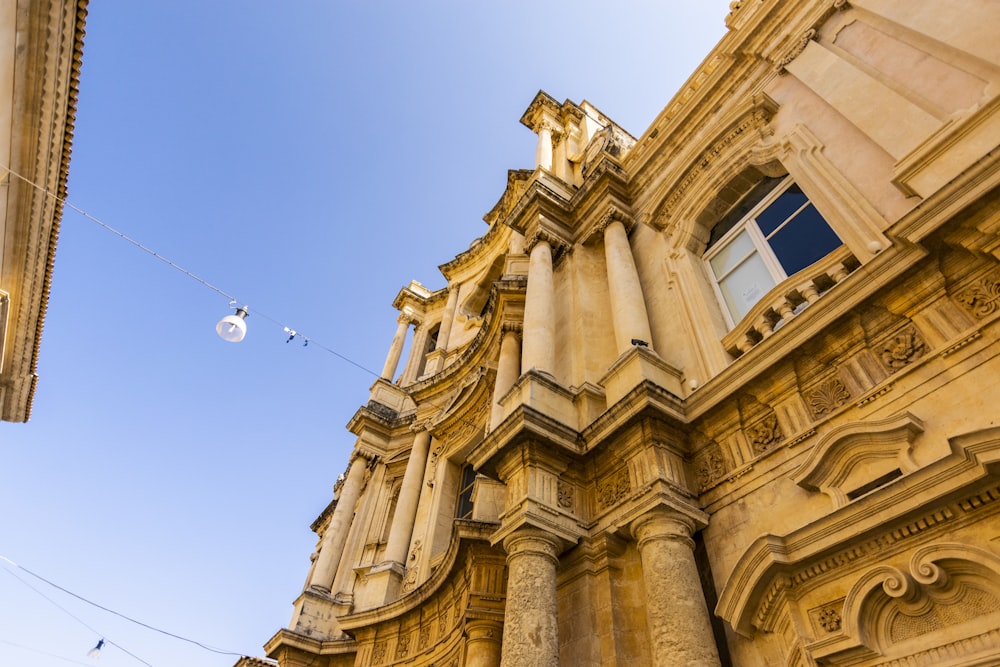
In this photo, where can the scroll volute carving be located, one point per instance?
(925, 606)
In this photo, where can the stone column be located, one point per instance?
(418, 351)
(336, 533)
(482, 646)
(531, 632)
(538, 346)
(406, 504)
(543, 153)
(508, 370)
(396, 348)
(628, 309)
(680, 630)
(444, 333)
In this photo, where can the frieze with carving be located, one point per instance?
(982, 298)
(902, 349)
(827, 397)
(565, 493)
(403, 646)
(612, 489)
(379, 652)
(710, 468)
(765, 434)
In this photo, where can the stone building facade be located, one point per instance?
(726, 393)
(41, 46)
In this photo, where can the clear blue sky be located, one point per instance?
(310, 158)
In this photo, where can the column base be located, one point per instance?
(634, 367)
(382, 584)
(315, 616)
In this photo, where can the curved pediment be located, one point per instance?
(850, 460)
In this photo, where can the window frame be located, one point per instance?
(761, 245)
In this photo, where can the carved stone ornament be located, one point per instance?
(378, 652)
(412, 569)
(796, 50)
(827, 397)
(403, 646)
(565, 492)
(902, 349)
(829, 619)
(443, 622)
(764, 434)
(710, 467)
(614, 488)
(424, 639)
(982, 298)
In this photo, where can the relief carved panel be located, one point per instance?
(613, 488)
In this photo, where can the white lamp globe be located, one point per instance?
(232, 328)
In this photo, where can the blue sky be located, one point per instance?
(310, 158)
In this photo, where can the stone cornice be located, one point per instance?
(535, 114)
(494, 242)
(501, 293)
(416, 297)
(49, 71)
(465, 533)
(286, 639)
(517, 180)
(544, 196)
(524, 423)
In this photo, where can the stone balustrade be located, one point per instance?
(787, 300)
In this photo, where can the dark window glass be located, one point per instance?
(806, 239)
(465, 493)
(787, 203)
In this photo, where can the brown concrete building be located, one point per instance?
(40, 50)
(726, 393)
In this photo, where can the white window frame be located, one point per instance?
(761, 247)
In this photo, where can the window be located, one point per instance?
(772, 233)
(465, 493)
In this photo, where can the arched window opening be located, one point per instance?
(771, 234)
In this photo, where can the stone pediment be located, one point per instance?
(855, 456)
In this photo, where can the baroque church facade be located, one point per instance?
(723, 394)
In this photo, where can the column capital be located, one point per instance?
(362, 452)
(662, 523)
(421, 426)
(530, 540)
(516, 328)
(556, 244)
(612, 215)
(408, 318)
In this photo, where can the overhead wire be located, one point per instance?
(68, 612)
(130, 619)
(190, 274)
(232, 299)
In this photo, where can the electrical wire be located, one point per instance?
(45, 653)
(66, 203)
(112, 611)
(233, 300)
(68, 612)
